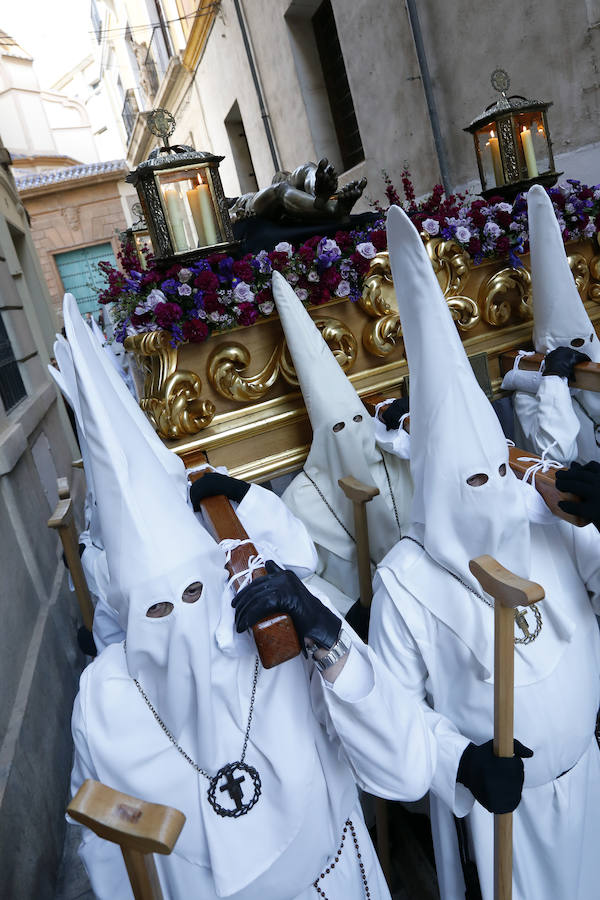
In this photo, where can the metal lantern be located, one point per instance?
(138, 234)
(512, 143)
(182, 197)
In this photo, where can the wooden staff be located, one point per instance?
(62, 519)
(586, 374)
(509, 591)
(138, 827)
(360, 494)
(275, 637)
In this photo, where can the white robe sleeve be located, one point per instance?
(548, 420)
(397, 649)
(102, 859)
(395, 441)
(277, 531)
(586, 548)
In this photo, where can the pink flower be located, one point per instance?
(195, 331)
(167, 314)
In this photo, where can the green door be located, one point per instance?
(81, 276)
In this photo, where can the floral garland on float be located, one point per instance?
(219, 293)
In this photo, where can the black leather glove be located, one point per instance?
(85, 640)
(392, 414)
(281, 591)
(562, 361)
(496, 782)
(585, 482)
(213, 484)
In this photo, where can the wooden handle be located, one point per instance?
(508, 591)
(545, 484)
(586, 377)
(275, 637)
(62, 520)
(140, 828)
(360, 494)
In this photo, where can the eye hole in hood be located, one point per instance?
(159, 610)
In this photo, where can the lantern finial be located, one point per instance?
(500, 81)
(162, 124)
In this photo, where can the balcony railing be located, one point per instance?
(130, 111)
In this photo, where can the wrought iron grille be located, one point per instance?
(12, 389)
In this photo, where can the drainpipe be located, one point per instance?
(264, 114)
(440, 148)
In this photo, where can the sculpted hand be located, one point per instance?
(585, 482)
(562, 361)
(213, 484)
(496, 782)
(281, 591)
(392, 414)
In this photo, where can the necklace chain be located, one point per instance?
(348, 825)
(189, 759)
(335, 515)
(529, 638)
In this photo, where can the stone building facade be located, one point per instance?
(39, 660)
(273, 83)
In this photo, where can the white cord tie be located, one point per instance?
(543, 464)
(200, 468)
(245, 576)
(520, 356)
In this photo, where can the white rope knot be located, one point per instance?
(200, 468)
(245, 576)
(520, 356)
(543, 464)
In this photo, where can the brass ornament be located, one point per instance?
(383, 336)
(581, 271)
(378, 297)
(452, 264)
(172, 398)
(504, 296)
(228, 364)
(594, 287)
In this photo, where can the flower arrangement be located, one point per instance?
(219, 293)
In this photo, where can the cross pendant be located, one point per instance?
(521, 620)
(233, 787)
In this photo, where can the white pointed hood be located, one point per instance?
(155, 548)
(559, 315)
(330, 401)
(454, 431)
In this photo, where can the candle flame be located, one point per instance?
(492, 133)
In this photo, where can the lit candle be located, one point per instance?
(206, 211)
(176, 218)
(194, 201)
(532, 169)
(496, 161)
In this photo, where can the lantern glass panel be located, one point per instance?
(143, 245)
(489, 153)
(532, 144)
(190, 209)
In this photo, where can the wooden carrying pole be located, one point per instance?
(139, 828)
(275, 637)
(360, 494)
(62, 519)
(586, 378)
(509, 591)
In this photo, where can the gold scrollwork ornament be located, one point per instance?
(594, 287)
(505, 295)
(581, 271)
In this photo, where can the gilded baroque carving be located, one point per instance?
(172, 399)
(505, 295)
(594, 288)
(228, 364)
(581, 271)
(452, 264)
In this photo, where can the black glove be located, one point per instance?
(213, 483)
(496, 782)
(281, 591)
(358, 617)
(392, 414)
(85, 640)
(562, 361)
(585, 482)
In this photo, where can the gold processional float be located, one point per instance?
(236, 395)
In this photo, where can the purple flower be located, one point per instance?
(367, 250)
(343, 289)
(312, 275)
(302, 294)
(184, 290)
(185, 275)
(262, 262)
(284, 247)
(267, 307)
(463, 234)
(490, 229)
(170, 286)
(243, 293)
(328, 251)
(431, 226)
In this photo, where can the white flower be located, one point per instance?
(243, 292)
(367, 250)
(431, 226)
(184, 290)
(343, 289)
(154, 297)
(504, 207)
(597, 194)
(302, 294)
(463, 234)
(284, 247)
(565, 188)
(490, 229)
(569, 208)
(267, 307)
(201, 313)
(291, 277)
(214, 316)
(185, 275)
(312, 275)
